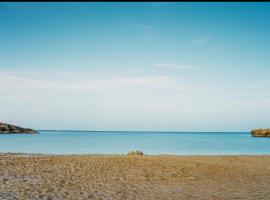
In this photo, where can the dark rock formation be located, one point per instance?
(261, 133)
(8, 129)
(138, 153)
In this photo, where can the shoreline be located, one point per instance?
(145, 155)
(100, 176)
(120, 155)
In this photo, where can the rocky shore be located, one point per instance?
(11, 129)
(261, 132)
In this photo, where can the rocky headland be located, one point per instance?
(11, 129)
(261, 132)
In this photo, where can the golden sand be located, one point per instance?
(134, 177)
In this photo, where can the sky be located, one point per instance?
(135, 66)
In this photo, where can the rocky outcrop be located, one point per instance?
(261, 132)
(8, 129)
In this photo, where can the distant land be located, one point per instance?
(12, 129)
(261, 132)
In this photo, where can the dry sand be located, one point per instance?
(134, 177)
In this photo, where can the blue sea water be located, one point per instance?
(121, 142)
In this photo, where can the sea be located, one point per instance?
(121, 142)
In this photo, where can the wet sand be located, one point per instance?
(134, 177)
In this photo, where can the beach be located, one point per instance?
(33, 176)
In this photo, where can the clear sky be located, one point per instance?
(135, 66)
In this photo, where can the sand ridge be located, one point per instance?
(134, 177)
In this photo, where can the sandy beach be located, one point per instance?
(25, 176)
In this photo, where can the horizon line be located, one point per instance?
(70, 130)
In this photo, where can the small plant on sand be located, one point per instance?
(139, 153)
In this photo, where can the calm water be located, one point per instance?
(182, 143)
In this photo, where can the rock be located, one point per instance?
(138, 153)
(261, 133)
(8, 129)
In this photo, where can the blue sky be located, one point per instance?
(135, 66)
